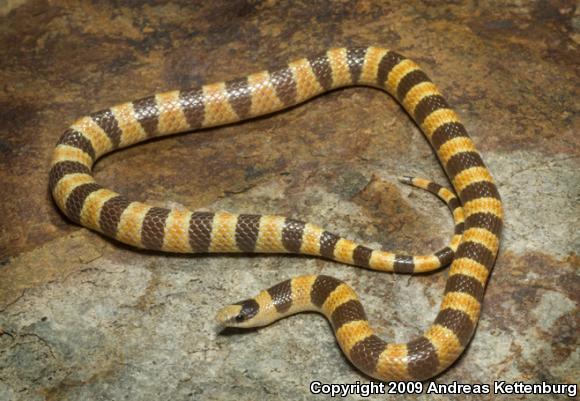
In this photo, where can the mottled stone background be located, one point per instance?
(84, 318)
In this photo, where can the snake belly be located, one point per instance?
(135, 223)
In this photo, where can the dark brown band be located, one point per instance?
(347, 312)
(323, 286)
(422, 357)
(387, 63)
(61, 169)
(200, 227)
(153, 228)
(111, 214)
(322, 70)
(327, 244)
(107, 121)
(285, 85)
(292, 234)
(366, 353)
(465, 284)
(76, 200)
(247, 231)
(404, 264)
(240, 96)
(362, 256)
(75, 139)
(355, 58)
(458, 322)
(281, 295)
(193, 107)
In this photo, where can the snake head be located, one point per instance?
(239, 314)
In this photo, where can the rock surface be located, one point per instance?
(84, 318)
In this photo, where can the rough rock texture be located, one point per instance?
(84, 318)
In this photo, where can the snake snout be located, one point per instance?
(226, 316)
(241, 314)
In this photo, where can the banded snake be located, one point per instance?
(478, 220)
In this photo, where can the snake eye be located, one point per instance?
(240, 318)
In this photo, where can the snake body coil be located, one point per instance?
(476, 240)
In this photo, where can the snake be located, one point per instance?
(477, 208)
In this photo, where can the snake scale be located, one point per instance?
(478, 213)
